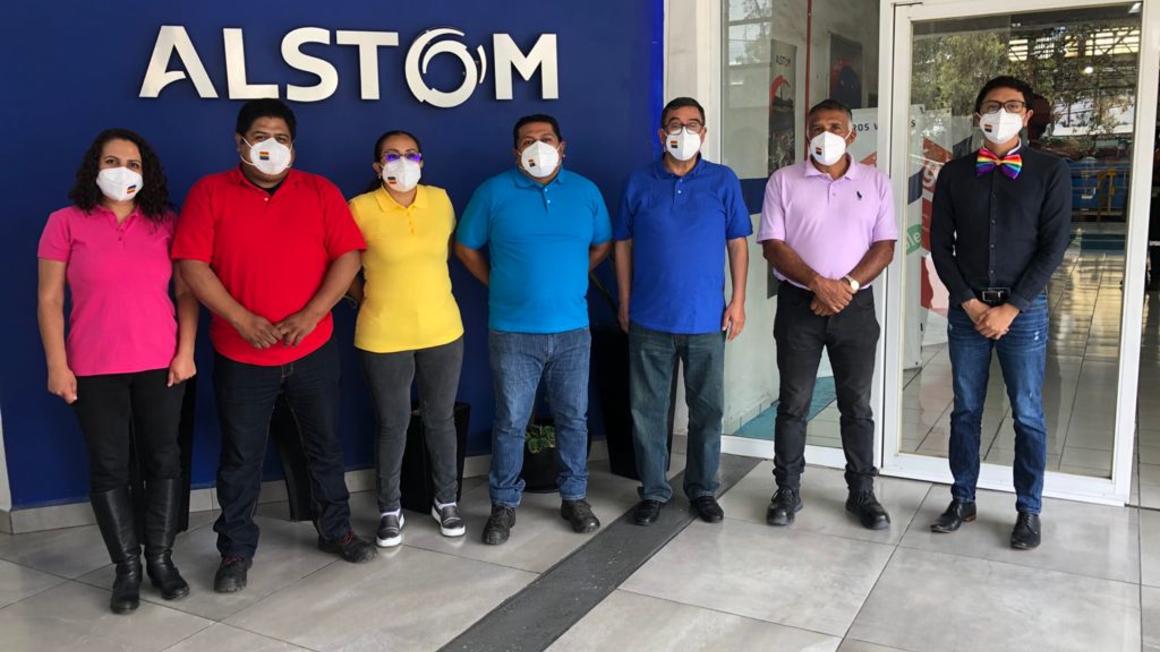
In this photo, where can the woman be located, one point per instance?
(128, 349)
(409, 326)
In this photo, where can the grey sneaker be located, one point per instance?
(390, 530)
(450, 522)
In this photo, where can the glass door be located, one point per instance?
(1095, 109)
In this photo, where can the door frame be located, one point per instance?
(897, 17)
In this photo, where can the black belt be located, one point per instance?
(994, 296)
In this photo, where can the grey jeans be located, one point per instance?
(389, 376)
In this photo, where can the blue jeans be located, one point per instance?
(1023, 357)
(652, 358)
(519, 361)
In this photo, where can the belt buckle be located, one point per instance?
(995, 296)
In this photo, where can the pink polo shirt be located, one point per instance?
(122, 319)
(829, 223)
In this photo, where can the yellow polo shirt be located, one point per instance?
(407, 300)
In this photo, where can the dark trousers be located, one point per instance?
(245, 399)
(116, 410)
(652, 361)
(850, 339)
(389, 376)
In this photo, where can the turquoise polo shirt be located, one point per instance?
(538, 237)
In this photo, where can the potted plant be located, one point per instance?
(540, 469)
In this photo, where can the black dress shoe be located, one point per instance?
(707, 508)
(783, 506)
(350, 547)
(1025, 536)
(869, 511)
(646, 512)
(958, 512)
(579, 514)
(499, 525)
(231, 575)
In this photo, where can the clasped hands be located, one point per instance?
(262, 334)
(991, 322)
(831, 296)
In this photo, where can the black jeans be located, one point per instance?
(117, 409)
(389, 376)
(245, 399)
(850, 338)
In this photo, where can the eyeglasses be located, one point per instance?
(391, 157)
(675, 126)
(1010, 106)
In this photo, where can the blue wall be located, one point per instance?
(75, 67)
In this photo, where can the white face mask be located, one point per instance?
(269, 156)
(827, 148)
(540, 159)
(119, 184)
(683, 145)
(1000, 127)
(402, 174)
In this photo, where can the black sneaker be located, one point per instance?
(350, 547)
(869, 511)
(499, 525)
(782, 507)
(390, 532)
(450, 522)
(707, 508)
(231, 574)
(646, 512)
(579, 514)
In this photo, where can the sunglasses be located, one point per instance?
(391, 157)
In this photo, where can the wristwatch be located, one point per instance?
(854, 284)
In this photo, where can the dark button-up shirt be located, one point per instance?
(990, 231)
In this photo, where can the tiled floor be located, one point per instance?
(823, 584)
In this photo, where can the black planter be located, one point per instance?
(610, 375)
(284, 432)
(540, 469)
(416, 484)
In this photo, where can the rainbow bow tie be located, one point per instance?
(1011, 164)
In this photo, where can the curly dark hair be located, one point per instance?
(152, 201)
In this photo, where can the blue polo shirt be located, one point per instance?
(538, 237)
(678, 227)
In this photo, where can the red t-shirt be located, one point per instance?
(271, 252)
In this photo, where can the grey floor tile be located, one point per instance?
(824, 493)
(1093, 540)
(74, 616)
(69, 552)
(1150, 547)
(223, 638)
(1150, 616)
(854, 645)
(630, 621)
(935, 601)
(782, 575)
(540, 537)
(1150, 496)
(410, 599)
(18, 582)
(287, 552)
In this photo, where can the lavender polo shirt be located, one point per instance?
(830, 223)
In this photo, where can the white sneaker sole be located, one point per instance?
(447, 532)
(393, 541)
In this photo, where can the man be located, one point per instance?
(270, 250)
(678, 217)
(545, 228)
(828, 229)
(1000, 227)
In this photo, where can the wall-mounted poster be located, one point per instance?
(846, 71)
(782, 119)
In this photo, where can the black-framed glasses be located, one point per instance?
(414, 157)
(675, 126)
(1010, 106)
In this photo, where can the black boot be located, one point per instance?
(114, 512)
(161, 517)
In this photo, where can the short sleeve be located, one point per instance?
(56, 239)
(194, 237)
(622, 225)
(885, 227)
(772, 213)
(475, 225)
(340, 231)
(737, 223)
(602, 224)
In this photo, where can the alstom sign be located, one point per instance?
(174, 41)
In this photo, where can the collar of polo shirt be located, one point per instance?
(852, 170)
(388, 203)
